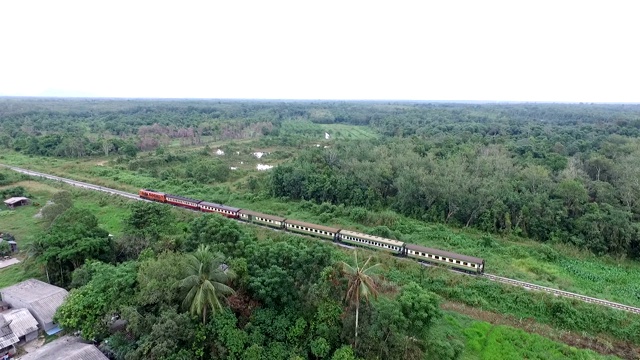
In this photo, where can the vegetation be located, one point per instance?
(543, 192)
(205, 283)
(361, 284)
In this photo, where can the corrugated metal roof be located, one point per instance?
(312, 226)
(264, 216)
(66, 348)
(8, 340)
(20, 321)
(14, 200)
(44, 299)
(372, 238)
(446, 254)
(47, 307)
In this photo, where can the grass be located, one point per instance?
(17, 273)
(553, 265)
(484, 341)
(22, 223)
(349, 132)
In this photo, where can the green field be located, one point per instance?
(484, 341)
(348, 132)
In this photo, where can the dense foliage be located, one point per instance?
(552, 172)
(181, 287)
(274, 298)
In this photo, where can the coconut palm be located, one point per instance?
(205, 282)
(35, 252)
(362, 284)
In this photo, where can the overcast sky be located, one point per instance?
(415, 50)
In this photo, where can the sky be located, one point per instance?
(561, 51)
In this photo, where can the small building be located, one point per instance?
(40, 298)
(22, 324)
(12, 244)
(66, 348)
(7, 339)
(16, 201)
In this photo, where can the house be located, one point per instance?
(12, 244)
(7, 339)
(16, 201)
(66, 348)
(23, 325)
(9, 239)
(41, 299)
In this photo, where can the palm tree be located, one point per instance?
(34, 252)
(205, 282)
(362, 284)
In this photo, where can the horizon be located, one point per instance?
(324, 100)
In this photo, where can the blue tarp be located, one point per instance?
(54, 330)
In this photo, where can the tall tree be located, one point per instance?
(362, 284)
(205, 282)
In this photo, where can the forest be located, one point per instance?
(551, 172)
(527, 186)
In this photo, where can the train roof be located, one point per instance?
(182, 198)
(266, 216)
(447, 254)
(220, 206)
(312, 226)
(372, 238)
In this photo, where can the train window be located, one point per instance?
(464, 263)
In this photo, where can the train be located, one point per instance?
(460, 262)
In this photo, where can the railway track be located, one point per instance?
(76, 183)
(124, 194)
(491, 277)
(562, 293)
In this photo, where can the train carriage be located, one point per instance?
(463, 262)
(263, 219)
(311, 229)
(152, 195)
(228, 211)
(182, 201)
(371, 241)
(417, 252)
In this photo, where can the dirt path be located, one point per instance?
(8, 262)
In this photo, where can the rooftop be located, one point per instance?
(66, 348)
(43, 298)
(7, 337)
(20, 321)
(14, 200)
